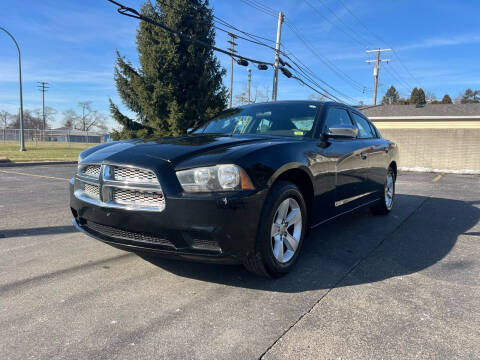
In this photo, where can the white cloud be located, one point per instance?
(442, 41)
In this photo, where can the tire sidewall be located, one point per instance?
(279, 193)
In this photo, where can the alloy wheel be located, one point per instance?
(389, 190)
(286, 230)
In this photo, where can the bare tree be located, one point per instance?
(4, 117)
(70, 118)
(430, 97)
(242, 98)
(88, 120)
(50, 113)
(317, 97)
(260, 94)
(30, 120)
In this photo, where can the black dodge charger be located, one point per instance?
(245, 187)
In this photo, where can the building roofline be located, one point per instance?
(426, 117)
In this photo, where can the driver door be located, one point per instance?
(349, 157)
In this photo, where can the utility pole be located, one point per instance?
(43, 87)
(249, 83)
(376, 69)
(232, 50)
(22, 137)
(281, 18)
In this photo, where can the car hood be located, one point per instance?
(172, 150)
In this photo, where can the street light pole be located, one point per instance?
(22, 139)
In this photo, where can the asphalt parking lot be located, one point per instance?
(402, 286)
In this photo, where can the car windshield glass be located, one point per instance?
(288, 119)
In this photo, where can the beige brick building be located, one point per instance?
(435, 137)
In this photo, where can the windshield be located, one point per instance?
(288, 119)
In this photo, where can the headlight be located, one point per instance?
(214, 178)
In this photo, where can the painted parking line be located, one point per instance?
(438, 177)
(34, 175)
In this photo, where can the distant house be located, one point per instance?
(428, 116)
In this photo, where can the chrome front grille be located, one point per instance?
(123, 187)
(134, 175)
(91, 171)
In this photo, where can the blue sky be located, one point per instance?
(71, 44)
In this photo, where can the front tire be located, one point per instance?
(386, 203)
(281, 231)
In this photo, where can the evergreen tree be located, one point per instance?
(447, 99)
(413, 96)
(178, 84)
(417, 96)
(391, 96)
(470, 97)
(421, 97)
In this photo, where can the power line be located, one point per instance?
(397, 78)
(283, 53)
(381, 40)
(253, 36)
(355, 85)
(357, 38)
(271, 12)
(308, 73)
(130, 12)
(245, 38)
(261, 7)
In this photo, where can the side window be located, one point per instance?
(364, 129)
(374, 129)
(335, 117)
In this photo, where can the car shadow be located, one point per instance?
(420, 232)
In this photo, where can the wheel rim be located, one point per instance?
(286, 230)
(389, 190)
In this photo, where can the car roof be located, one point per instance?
(307, 102)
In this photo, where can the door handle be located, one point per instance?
(386, 150)
(363, 155)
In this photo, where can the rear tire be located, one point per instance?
(385, 205)
(280, 233)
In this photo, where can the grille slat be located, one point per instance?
(139, 198)
(92, 191)
(135, 175)
(92, 171)
(116, 233)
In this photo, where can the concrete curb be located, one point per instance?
(38, 163)
(445, 171)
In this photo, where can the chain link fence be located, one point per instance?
(55, 135)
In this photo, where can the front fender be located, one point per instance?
(289, 166)
(266, 164)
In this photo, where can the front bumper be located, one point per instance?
(210, 227)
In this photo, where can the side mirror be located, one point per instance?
(342, 131)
